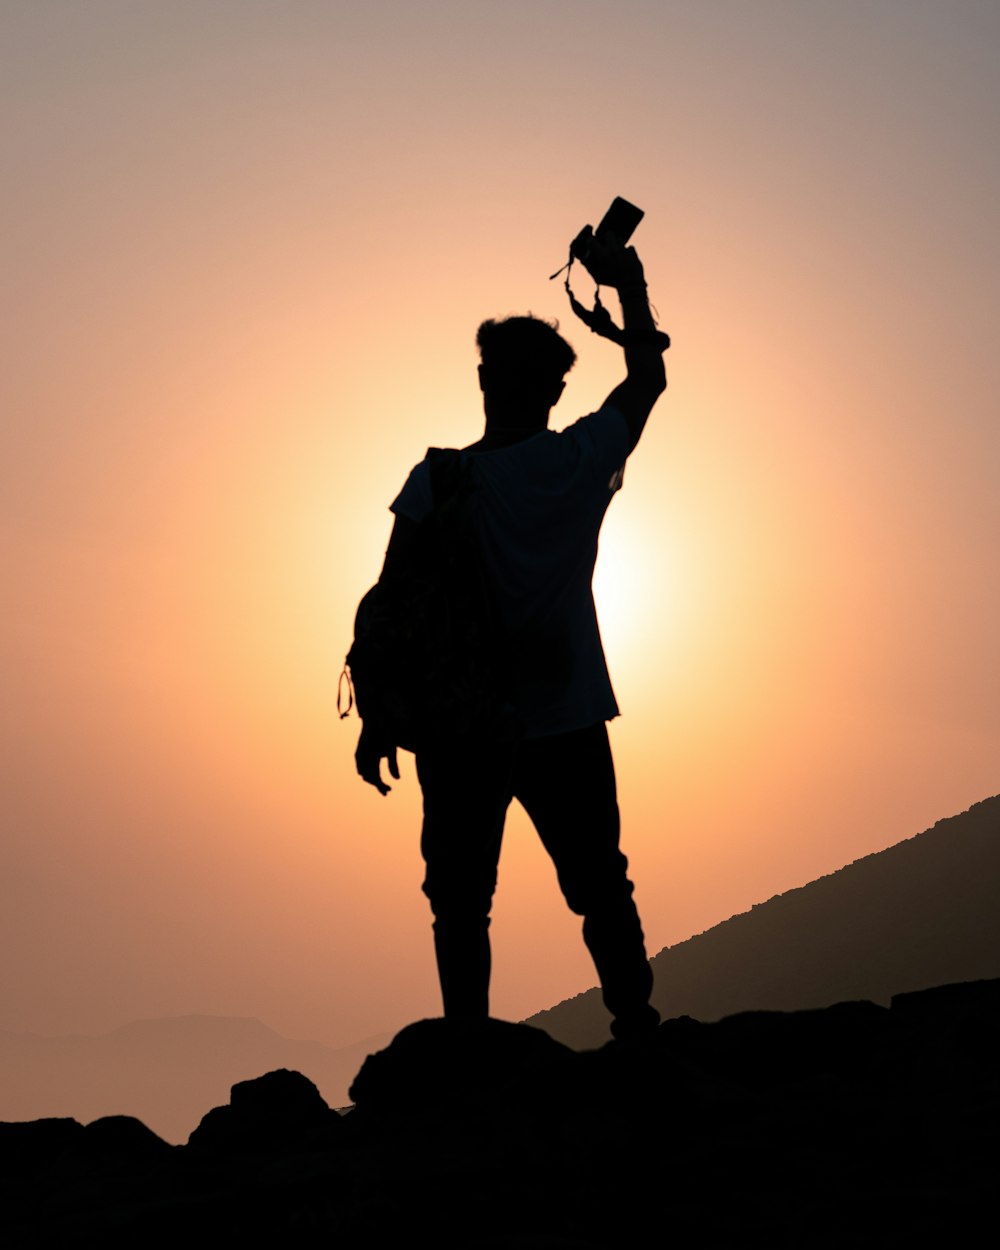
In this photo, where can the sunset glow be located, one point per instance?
(248, 247)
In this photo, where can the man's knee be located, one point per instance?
(459, 899)
(598, 889)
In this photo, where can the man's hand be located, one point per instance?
(373, 748)
(611, 264)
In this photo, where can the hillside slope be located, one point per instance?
(921, 913)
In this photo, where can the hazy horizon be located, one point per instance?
(918, 915)
(248, 246)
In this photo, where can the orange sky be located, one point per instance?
(246, 248)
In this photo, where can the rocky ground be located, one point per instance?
(855, 1125)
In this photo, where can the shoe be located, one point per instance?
(636, 1027)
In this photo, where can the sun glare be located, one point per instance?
(626, 590)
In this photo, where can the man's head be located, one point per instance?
(524, 361)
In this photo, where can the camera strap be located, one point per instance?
(598, 319)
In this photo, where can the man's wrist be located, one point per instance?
(632, 290)
(651, 337)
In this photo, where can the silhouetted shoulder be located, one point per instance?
(416, 498)
(591, 450)
(603, 438)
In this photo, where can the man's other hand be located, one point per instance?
(373, 748)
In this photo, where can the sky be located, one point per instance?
(246, 247)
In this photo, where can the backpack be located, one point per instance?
(428, 660)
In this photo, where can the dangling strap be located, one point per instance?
(599, 319)
(345, 675)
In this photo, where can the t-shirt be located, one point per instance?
(538, 509)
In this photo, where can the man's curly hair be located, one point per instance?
(523, 354)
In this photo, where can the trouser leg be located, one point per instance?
(466, 794)
(567, 786)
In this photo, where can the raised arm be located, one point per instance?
(645, 379)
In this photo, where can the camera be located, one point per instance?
(620, 220)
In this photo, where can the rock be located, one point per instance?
(978, 1000)
(21, 1143)
(123, 1135)
(451, 1064)
(279, 1111)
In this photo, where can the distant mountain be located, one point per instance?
(164, 1072)
(924, 912)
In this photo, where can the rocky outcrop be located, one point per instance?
(857, 1124)
(281, 1111)
(451, 1066)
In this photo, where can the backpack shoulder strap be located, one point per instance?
(445, 465)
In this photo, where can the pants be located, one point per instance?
(566, 784)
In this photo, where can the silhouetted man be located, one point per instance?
(541, 497)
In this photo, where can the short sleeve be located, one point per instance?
(604, 438)
(416, 498)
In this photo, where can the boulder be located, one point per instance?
(278, 1112)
